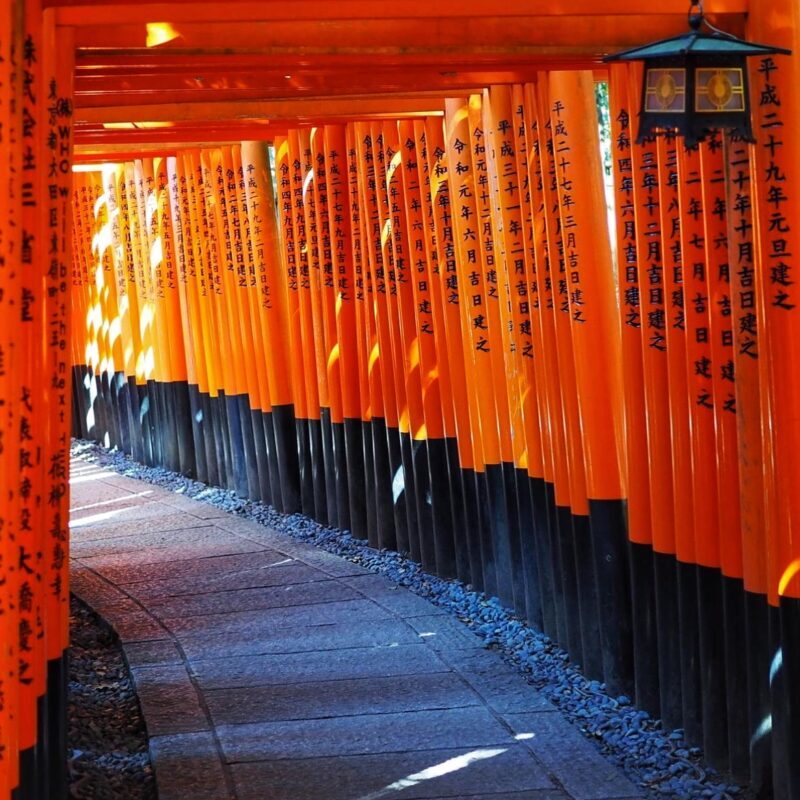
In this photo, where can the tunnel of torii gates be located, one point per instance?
(354, 260)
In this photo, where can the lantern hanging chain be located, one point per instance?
(697, 18)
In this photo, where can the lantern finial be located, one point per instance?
(696, 18)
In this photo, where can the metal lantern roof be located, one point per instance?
(697, 43)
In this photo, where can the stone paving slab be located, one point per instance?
(153, 653)
(442, 632)
(270, 670)
(301, 639)
(149, 509)
(583, 772)
(284, 572)
(290, 668)
(133, 528)
(170, 702)
(339, 698)
(500, 686)
(364, 734)
(391, 596)
(203, 548)
(483, 772)
(255, 599)
(193, 507)
(145, 544)
(189, 571)
(248, 623)
(188, 766)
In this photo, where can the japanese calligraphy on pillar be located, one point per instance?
(650, 253)
(57, 301)
(697, 301)
(367, 378)
(340, 219)
(573, 297)
(620, 91)
(699, 428)
(11, 129)
(718, 280)
(777, 226)
(452, 345)
(417, 231)
(745, 355)
(286, 204)
(718, 274)
(417, 227)
(460, 217)
(508, 196)
(256, 208)
(33, 253)
(590, 377)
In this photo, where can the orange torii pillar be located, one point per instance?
(35, 390)
(776, 171)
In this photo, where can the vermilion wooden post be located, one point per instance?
(649, 247)
(700, 426)
(451, 550)
(279, 424)
(591, 308)
(288, 180)
(454, 353)
(58, 76)
(235, 369)
(476, 326)
(556, 490)
(775, 206)
(525, 290)
(370, 402)
(507, 221)
(718, 290)
(571, 517)
(31, 420)
(344, 322)
(399, 306)
(333, 432)
(389, 468)
(249, 399)
(11, 39)
(747, 353)
(315, 384)
(636, 471)
(314, 330)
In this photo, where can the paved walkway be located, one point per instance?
(270, 670)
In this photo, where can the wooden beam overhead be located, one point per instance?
(103, 91)
(445, 36)
(377, 106)
(115, 152)
(162, 62)
(79, 13)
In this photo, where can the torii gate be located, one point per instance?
(610, 447)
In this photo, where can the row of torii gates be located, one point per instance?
(353, 260)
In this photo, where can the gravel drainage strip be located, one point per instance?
(108, 754)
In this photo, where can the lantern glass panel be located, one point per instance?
(665, 90)
(719, 89)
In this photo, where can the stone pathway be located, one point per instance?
(270, 670)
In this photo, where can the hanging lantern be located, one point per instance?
(696, 83)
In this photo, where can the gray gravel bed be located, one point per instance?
(658, 760)
(108, 754)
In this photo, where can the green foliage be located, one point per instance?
(603, 123)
